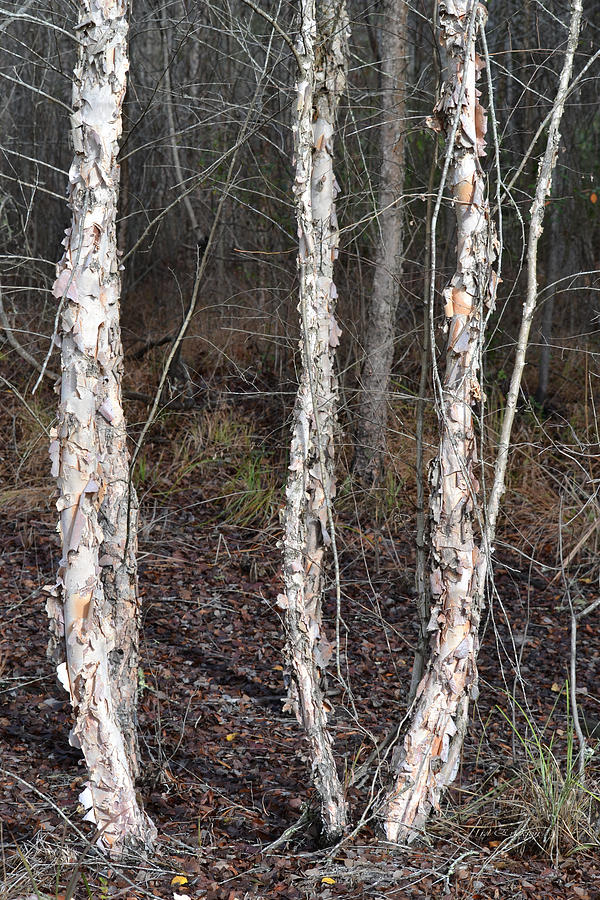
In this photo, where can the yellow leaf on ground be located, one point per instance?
(327, 880)
(231, 736)
(178, 880)
(556, 687)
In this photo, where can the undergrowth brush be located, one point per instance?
(554, 792)
(545, 802)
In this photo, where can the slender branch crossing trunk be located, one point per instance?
(555, 257)
(542, 190)
(168, 62)
(423, 599)
(99, 613)
(371, 427)
(118, 521)
(427, 761)
(311, 481)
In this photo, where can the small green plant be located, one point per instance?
(141, 471)
(87, 887)
(229, 433)
(558, 805)
(142, 683)
(250, 497)
(391, 493)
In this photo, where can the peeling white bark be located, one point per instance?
(371, 427)
(428, 759)
(311, 483)
(96, 583)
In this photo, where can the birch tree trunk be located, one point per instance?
(371, 427)
(427, 761)
(99, 613)
(311, 482)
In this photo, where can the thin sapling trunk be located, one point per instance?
(372, 417)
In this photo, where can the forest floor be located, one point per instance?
(224, 768)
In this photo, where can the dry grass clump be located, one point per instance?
(551, 806)
(550, 801)
(546, 801)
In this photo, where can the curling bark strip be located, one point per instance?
(428, 759)
(95, 601)
(311, 483)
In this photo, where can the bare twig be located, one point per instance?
(64, 295)
(20, 349)
(201, 263)
(543, 184)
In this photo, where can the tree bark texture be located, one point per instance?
(428, 760)
(371, 427)
(96, 605)
(311, 482)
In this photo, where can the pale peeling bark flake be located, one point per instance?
(311, 483)
(428, 759)
(96, 582)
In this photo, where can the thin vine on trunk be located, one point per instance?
(427, 761)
